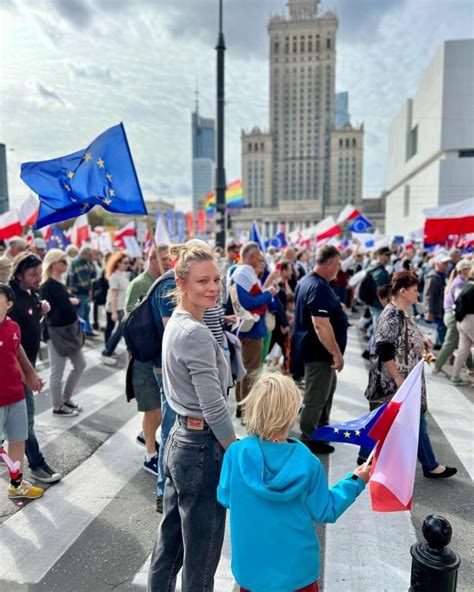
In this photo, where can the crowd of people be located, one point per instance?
(273, 325)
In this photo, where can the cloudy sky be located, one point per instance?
(72, 68)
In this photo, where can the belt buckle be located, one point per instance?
(195, 423)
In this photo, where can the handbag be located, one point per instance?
(246, 319)
(67, 340)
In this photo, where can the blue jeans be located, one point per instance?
(84, 309)
(426, 455)
(191, 532)
(441, 331)
(425, 451)
(115, 337)
(168, 417)
(32, 449)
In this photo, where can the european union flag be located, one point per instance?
(102, 174)
(255, 236)
(57, 240)
(354, 431)
(360, 224)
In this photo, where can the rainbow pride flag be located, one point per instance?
(234, 197)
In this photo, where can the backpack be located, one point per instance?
(142, 335)
(367, 289)
(100, 287)
(460, 304)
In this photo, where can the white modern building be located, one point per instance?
(431, 141)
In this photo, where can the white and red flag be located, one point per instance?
(397, 431)
(161, 232)
(127, 230)
(10, 225)
(29, 211)
(80, 230)
(451, 219)
(349, 212)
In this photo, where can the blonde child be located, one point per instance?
(276, 489)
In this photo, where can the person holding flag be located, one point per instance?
(398, 347)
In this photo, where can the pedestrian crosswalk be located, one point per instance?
(362, 552)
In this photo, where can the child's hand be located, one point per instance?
(363, 473)
(34, 382)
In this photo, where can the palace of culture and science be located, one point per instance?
(304, 168)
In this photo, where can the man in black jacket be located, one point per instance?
(27, 312)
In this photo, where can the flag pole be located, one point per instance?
(369, 460)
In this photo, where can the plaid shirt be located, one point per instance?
(80, 276)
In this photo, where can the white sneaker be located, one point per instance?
(108, 360)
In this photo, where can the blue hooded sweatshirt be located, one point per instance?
(275, 492)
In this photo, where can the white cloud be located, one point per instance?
(72, 68)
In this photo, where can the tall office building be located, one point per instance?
(316, 167)
(203, 142)
(257, 168)
(4, 203)
(347, 154)
(302, 104)
(342, 110)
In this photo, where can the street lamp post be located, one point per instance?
(221, 215)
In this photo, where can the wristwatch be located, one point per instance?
(354, 477)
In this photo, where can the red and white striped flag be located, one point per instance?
(29, 211)
(10, 225)
(451, 219)
(348, 213)
(396, 432)
(127, 230)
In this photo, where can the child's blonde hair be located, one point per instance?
(272, 405)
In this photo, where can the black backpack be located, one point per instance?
(100, 287)
(367, 289)
(142, 335)
(460, 304)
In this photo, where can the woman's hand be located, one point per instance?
(427, 345)
(230, 319)
(115, 317)
(74, 301)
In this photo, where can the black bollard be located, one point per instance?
(434, 566)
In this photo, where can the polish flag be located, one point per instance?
(128, 230)
(47, 232)
(348, 213)
(80, 230)
(397, 430)
(451, 219)
(326, 229)
(29, 211)
(161, 232)
(10, 225)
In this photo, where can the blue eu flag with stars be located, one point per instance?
(360, 224)
(354, 431)
(102, 174)
(58, 240)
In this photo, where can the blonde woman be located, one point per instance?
(116, 272)
(275, 489)
(65, 337)
(195, 377)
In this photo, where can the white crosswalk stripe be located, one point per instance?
(363, 547)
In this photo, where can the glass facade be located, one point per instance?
(203, 131)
